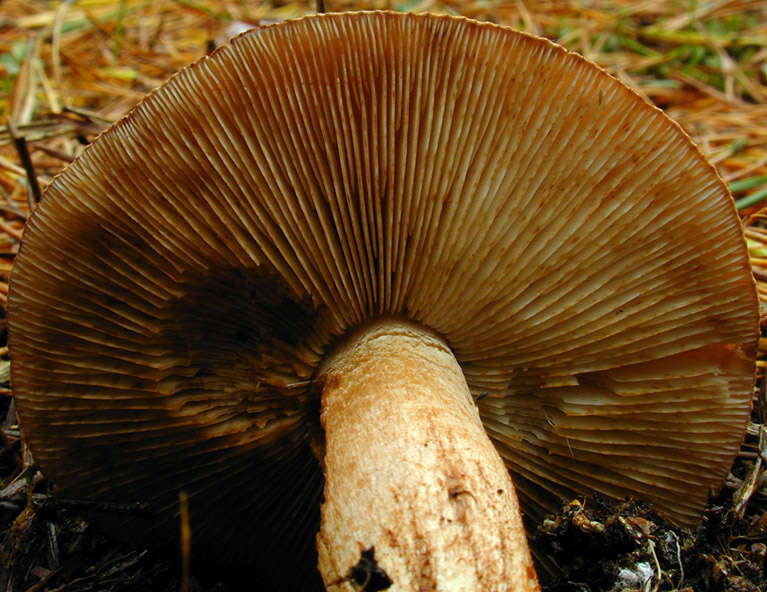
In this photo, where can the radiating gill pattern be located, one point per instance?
(570, 243)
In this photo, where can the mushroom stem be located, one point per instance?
(416, 496)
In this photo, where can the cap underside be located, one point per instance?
(180, 282)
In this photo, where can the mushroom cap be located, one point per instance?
(181, 281)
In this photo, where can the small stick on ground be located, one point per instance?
(26, 161)
(186, 540)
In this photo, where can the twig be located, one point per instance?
(749, 485)
(21, 93)
(40, 585)
(53, 546)
(658, 572)
(89, 116)
(12, 211)
(58, 21)
(707, 89)
(50, 94)
(186, 540)
(57, 503)
(10, 230)
(63, 156)
(42, 130)
(747, 171)
(21, 147)
(680, 584)
(11, 167)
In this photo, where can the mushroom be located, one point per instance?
(401, 252)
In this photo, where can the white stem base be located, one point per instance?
(411, 474)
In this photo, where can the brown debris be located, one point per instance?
(597, 545)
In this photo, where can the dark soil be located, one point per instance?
(591, 545)
(603, 546)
